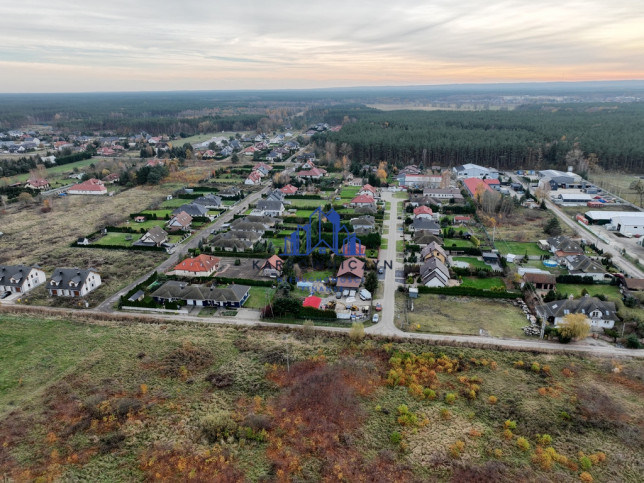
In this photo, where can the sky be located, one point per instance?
(116, 45)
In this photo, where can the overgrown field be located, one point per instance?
(108, 402)
(33, 237)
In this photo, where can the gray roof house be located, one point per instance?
(275, 195)
(155, 236)
(434, 273)
(423, 224)
(562, 246)
(244, 225)
(251, 236)
(602, 315)
(20, 278)
(229, 243)
(267, 221)
(202, 295)
(73, 282)
(425, 238)
(209, 201)
(230, 192)
(271, 207)
(583, 266)
(363, 224)
(192, 209)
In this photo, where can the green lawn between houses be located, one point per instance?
(474, 262)
(519, 248)
(483, 283)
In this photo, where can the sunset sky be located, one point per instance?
(69, 46)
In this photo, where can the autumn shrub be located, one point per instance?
(523, 444)
(544, 439)
(456, 449)
(519, 364)
(507, 434)
(586, 477)
(446, 414)
(429, 394)
(184, 360)
(356, 333)
(585, 463)
(450, 398)
(217, 426)
(498, 453)
(492, 399)
(510, 424)
(535, 367)
(395, 437)
(406, 417)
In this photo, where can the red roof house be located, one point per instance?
(289, 189)
(423, 212)
(474, 184)
(363, 200)
(350, 274)
(199, 266)
(90, 187)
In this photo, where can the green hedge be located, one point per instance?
(576, 279)
(311, 312)
(120, 247)
(469, 292)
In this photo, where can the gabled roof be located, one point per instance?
(369, 188)
(183, 219)
(274, 262)
(351, 266)
(363, 199)
(634, 283)
(183, 291)
(227, 242)
(425, 224)
(363, 221)
(433, 265)
(270, 205)
(584, 305)
(543, 278)
(202, 263)
(312, 301)
(422, 210)
(192, 209)
(472, 184)
(431, 248)
(92, 184)
(423, 238)
(38, 182)
(584, 264)
(13, 275)
(68, 278)
(564, 244)
(157, 235)
(208, 200)
(289, 189)
(311, 172)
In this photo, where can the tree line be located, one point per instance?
(530, 137)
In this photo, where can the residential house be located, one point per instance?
(139, 219)
(20, 278)
(424, 212)
(202, 295)
(416, 199)
(601, 315)
(155, 236)
(434, 249)
(634, 284)
(271, 207)
(263, 168)
(422, 224)
(92, 186)
(273, 156)
(105, 152)
(292, 146)
(209, 154)
(253, 179)
(37, 184)
(415, 180)
(368, 190)
(272, 267)
(350, 274)
(353, 249)
(474, 186)
(230, 192)
(289, 190)
(226, 151)
(251, 236)
(462, 220)
(562, 246)
(425, 238)
(112, 178)
(228, 243)
(73, 282)
(363, 224)
(275, 195)
(179, 222)
(244, 225)
(267, 222)
(314, 173)
(363, 200)
(193, 209)
(434, 273)
(209, 201)
(470, 170)
(250, 151)
(199, 266)
(540, 280)
(583, 266)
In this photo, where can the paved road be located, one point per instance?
(612, 248)
(386, 325)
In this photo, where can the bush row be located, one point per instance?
(469, 292)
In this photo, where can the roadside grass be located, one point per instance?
(519, 248)
(148, 389)
(474, 262)
(464, 315)
(483, 283)
(400, 246)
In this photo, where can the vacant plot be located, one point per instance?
(121, 239)
(472, 261)
(259, 297)
(483, 283)
(456, 243)
(519, 248)
(464, 315)
(618, 184)
(141, 402)
(610, 291)
(524, 224)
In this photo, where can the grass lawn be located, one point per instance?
(175, 203)
(464, 315)
(304, 213)
(384, 243)
(160, 213)
(474, 262)
(229, 202)
(349, 192)
(483, 283)
(257, 297)
(57, 376)
(401, 195)
(456, 243)
(318, 275)
(113, 238)
(308, 203)
(519, 248)
(400, 246)
(610, 291)
(146, 225)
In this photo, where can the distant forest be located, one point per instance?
(610, 135)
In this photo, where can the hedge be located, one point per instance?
(576, 279)
(237, 254)
(469, 291)
(311, 312)
(467, 250)
(120, 247)
(245, 281)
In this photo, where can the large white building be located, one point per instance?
(470, 170)
(20, 278)
(627, 223)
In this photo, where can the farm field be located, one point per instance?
(138, 402)
(453, 315)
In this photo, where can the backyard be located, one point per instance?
(464, 315)
(519, 248)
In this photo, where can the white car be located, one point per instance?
(375, 318)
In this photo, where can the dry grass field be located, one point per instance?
(142, 402)
(617, 183)
(525, 225)
(33, 237)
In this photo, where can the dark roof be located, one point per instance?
(584, 264)
(68, 278)
(363, 220)
(543, 278)
(13, 275)
(208, 200)
(634, 283)
(157, 235)
(422, 238)
(270, 205)
(584, 305)
(425, 224)
(182, 291)
(431, 265)
(264, 220)
(565, 244)
(227, 241)
(429, 249)
(250, 226)
(192, 209)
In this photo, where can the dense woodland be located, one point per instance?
(608, 134)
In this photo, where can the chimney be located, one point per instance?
(571, 297)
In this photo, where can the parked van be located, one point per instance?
(365, 294)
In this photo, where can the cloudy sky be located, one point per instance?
(116, 45)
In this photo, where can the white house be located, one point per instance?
(20, 278)
(601, 315)
(73, 282)
(92, 186)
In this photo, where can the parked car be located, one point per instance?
(375, 318)
(4, 295)
(352, 293)
(345, 293)
(365, 294)
(338, 295)
(381, 270)
(378, 307)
